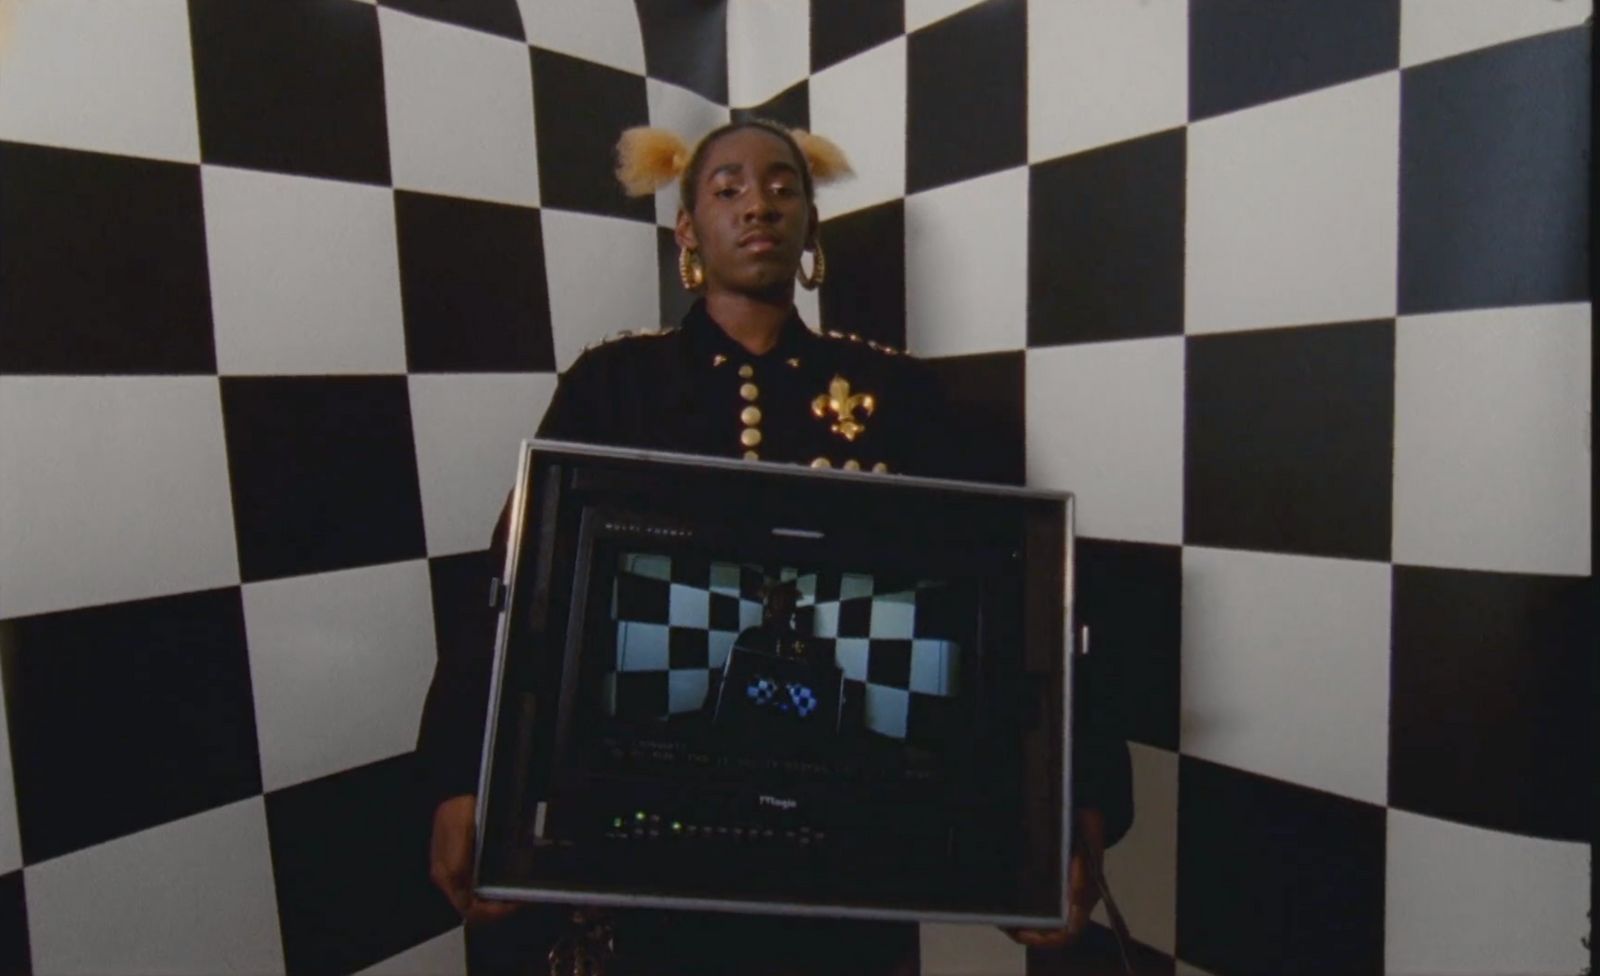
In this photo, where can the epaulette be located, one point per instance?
(631, 334)
(884, 348)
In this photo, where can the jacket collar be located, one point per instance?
(707, 339)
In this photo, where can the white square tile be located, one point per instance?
(855, 586)
(1432, 29)
(967, 266)
(648, 565)
(1181, 968)
(688, 606)
(809, 305)
(1103, 71)
(825, 622)
(443, 955)
(690, 116)
(592, 300)
(860, 104)
(460, 105)
(642, 647)
(720, 642)
(1492, 451)
(687, 690)
(1106, 422)
(468, 429)
(605, 31)
(850, 654)
(928, 666)
(1142, 870)
(10, 839)
(887, 709)
(1294, 210)
(107, 77)
(921, 13)
(191, 896)
(769, 48)
(1285, 668)
(305, 276)
(1474, 902)
(970, 950)
(893, 616)
(111, 489)
(339, 663)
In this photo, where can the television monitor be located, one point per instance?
(767, 688)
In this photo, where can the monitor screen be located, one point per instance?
(819, 699)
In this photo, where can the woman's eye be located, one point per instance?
(783, 190)
(727, 192)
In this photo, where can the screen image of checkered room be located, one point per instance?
(895, 644)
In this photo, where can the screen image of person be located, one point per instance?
(741, 376)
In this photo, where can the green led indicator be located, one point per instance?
(676, 825)
(639, 816)
(616, 821)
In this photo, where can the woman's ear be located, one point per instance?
(684, 233)
(815, 233)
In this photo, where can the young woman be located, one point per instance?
(741, 377)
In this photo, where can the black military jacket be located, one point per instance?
(817, 399)
(822, 399)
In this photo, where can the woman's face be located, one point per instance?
(751, 218)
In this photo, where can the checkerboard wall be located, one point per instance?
(1294, 297)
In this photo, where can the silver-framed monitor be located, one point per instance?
(756, 687)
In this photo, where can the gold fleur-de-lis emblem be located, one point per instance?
(840, 404)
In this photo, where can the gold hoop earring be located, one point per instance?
(690, 270)
(819, 269)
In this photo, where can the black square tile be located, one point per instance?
(462, 616)
(942, 615)
(686, 43)
(491, 16)
(643, 695)
(1106, 243)
(691, 570)
(1243, 53)
(865, 288)
(472, 286)
(293, 86)
(14, 955)
(1494, 176)
(1130, 598)
(889, 663)
(103, 269)
(790, 108)
(688, 647)
(350, 863)
(841, 29)
(324, 473)
(1289, 440)
(1277, 878)
(966, 95)
(1491, 713)
(984, 395)
(127, 716)
(577, 149)
(676, 300)
(855, 617)
(643, 599)
(724, 612)
(828, 584)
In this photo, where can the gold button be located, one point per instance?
(749, 391)
(880, 468)
(751, 437)
(851, 465)
(751, 416)
(718, 359)
(751, 456)
(821, 462)
(793, 363)
(746, 371)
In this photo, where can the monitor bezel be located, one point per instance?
(528, 455)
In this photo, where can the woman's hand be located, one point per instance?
(1088, 841)
(450, 861)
